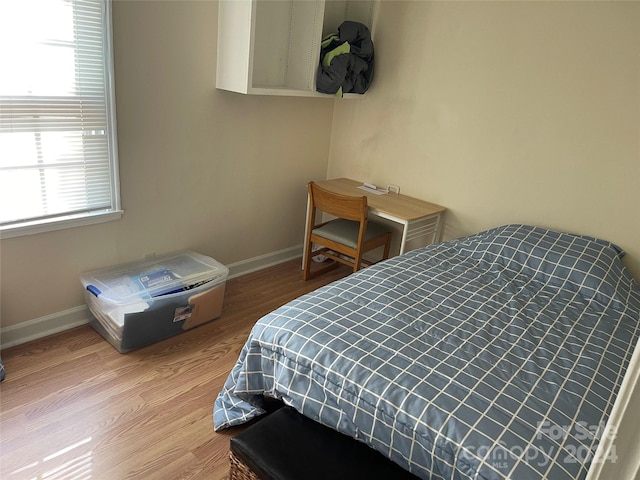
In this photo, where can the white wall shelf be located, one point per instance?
(272, 47)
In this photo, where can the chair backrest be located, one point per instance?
(336, 204)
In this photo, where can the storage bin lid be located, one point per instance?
(152, 277)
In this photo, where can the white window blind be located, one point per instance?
(58, 157)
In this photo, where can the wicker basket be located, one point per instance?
(239, 471)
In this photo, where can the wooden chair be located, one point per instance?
(349, 235)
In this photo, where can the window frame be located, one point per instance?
(62, 221)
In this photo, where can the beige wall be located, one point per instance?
(525, 112)
(217, 172)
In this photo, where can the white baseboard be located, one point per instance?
(254, 264)
(57, 322)
(43, 326)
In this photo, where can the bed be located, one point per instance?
(495, 356)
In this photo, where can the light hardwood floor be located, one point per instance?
(72, 407)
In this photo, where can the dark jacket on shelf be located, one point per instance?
(346, 60)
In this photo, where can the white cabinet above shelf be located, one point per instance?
(272, 47)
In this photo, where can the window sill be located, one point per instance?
(32, 228)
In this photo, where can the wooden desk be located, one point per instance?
(421, 221)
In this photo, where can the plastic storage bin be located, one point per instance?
(139, 303)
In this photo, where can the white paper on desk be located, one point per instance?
(371, 190)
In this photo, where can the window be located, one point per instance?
(58, 159)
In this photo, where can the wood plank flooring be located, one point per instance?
(72, 407)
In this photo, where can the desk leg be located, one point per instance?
(304, 240)
(437, 233)
(405, 233)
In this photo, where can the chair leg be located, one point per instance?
(306, 269)
(357, 263)
(387, 246)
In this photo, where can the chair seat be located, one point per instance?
(346, 231)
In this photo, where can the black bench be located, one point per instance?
(288, 446)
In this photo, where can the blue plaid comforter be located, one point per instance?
(496, 356)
